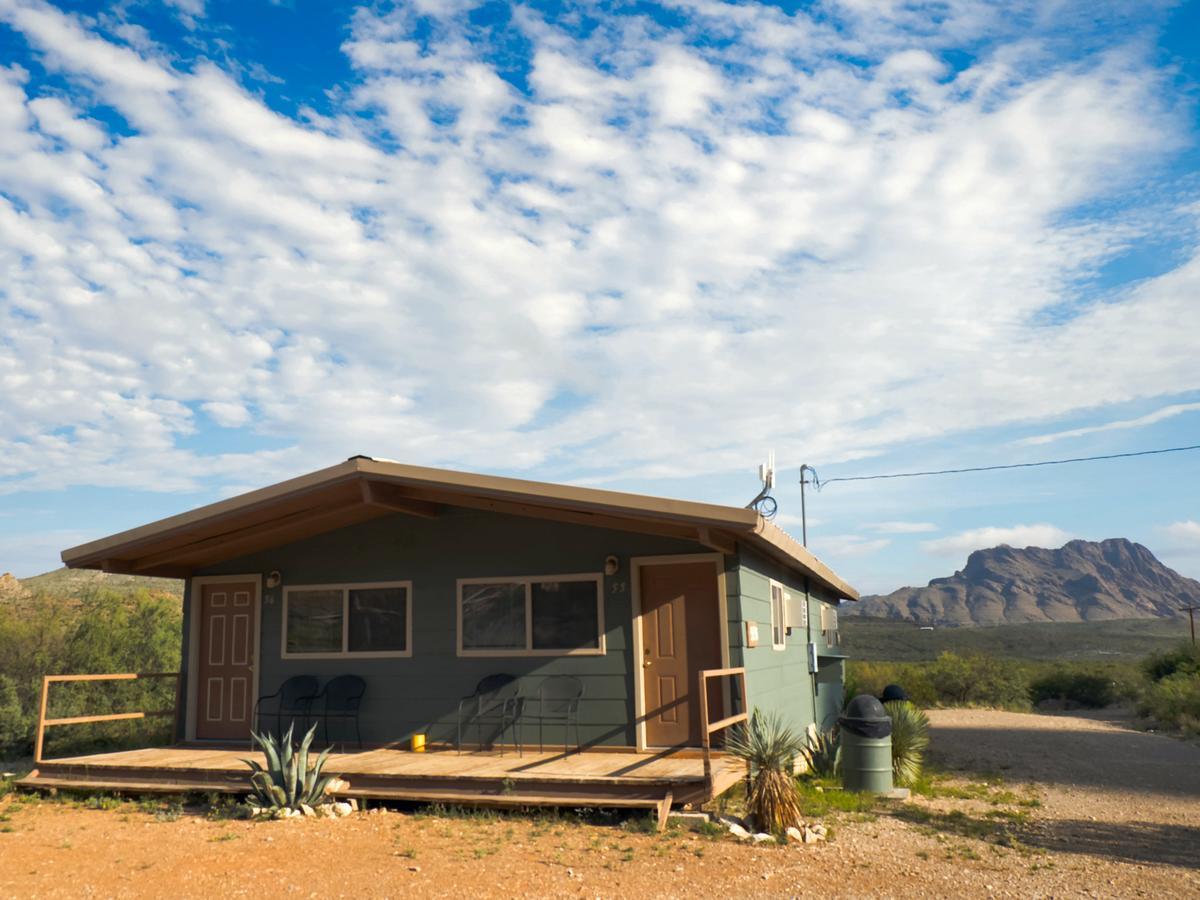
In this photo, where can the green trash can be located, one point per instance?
(866, 746)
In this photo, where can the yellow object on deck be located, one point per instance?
(418, 743)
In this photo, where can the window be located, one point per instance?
(550, 615)
(329, 620)
(778, 617)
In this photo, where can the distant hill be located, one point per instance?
(71, 583)
(1083, 581)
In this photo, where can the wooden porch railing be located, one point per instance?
(707, 729)
(47, 680)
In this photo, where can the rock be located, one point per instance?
(353, 804)
(336, 784)
(762, 837)
(414, 868)
(812, 836)
(795, 834)
(739, 832)
(730, 821)
(819, 829)
(307, 810)
(342, 809)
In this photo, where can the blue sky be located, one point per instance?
(635, 245)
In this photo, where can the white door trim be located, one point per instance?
(636, 564)
(195, 585)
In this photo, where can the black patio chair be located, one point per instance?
(341, 698)
(497, 700)
(558, 699)
(293, 699)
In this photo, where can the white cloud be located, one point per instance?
(960, 545)
(1159, 415)
(414, 275)
(846, 546)
(902, 527)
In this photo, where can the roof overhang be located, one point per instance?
(361, 489)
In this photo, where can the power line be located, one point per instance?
(1029, 465)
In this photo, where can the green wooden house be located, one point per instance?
(423, 581)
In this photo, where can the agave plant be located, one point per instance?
(290, 779)
(820, 753)
(769, 748)
(910, 738)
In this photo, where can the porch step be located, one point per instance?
(38, 781)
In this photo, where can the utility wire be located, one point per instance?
(1046, 462)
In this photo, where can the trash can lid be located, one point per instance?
(866, 717)
(865, 707)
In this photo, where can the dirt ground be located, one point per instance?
(1036, 806)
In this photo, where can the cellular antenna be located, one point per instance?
(764, 503)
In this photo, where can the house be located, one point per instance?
(422, 581)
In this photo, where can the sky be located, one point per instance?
(632, 245)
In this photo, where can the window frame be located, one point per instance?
(528, 650)
(346, 652)
(780, 627)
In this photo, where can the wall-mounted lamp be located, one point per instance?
(612, 565)
(274, 578)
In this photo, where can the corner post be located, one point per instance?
(41, 724)
(705, 737)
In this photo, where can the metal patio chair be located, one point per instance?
(496, 700)
(557, 700)
(341, 699)
(294, 699)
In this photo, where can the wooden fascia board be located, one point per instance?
(560, 496)
(786, 548)
(86, 555)
(234, 543)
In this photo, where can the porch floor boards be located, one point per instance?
(590, 778)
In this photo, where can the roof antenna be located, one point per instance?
(764, 504)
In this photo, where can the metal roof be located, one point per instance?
(362, 488)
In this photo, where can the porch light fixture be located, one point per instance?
(274, 578)
(612, 565)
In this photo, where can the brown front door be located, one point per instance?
(681, 635)
(225, 686)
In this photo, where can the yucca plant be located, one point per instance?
(820, 753)
(769, 748)
(290, 778)
(910, 739)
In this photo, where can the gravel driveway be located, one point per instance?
(1106, 789)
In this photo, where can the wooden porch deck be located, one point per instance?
(596, 778)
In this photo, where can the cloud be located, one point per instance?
(846, 545)
(597, 276)
(960, 545)
(902, 527)
(1183, 536)
(1159, 415)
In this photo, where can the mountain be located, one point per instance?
(70, 583)
(1081, 581)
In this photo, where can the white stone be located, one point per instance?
(738, 831)
(307, 810)
(795, 834)
(762, 837)
(353, 804)
(342, 809)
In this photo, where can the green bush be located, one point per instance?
(1174, 701)
(950, 680)
(1184, 659)
(1077, 687)
(97, 632)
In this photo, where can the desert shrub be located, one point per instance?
(770, 748)
(910, 740)
(1174, 701)
(820, 754)
(950, 680)
(99, 631)
(290, 779)
(1183, 659)
(1092, 690)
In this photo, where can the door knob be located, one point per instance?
(647, 664)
